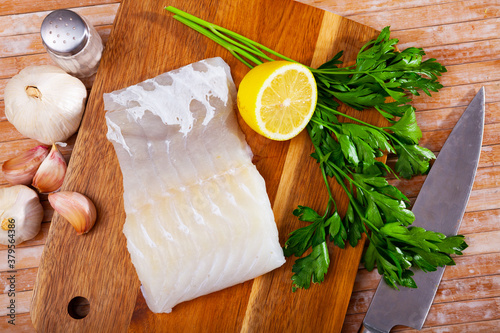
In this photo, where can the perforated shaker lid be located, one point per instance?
(64, 32)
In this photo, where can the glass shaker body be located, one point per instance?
(72, 42)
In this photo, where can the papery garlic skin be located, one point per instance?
(45, 103)
(21, 204)
(21, 169)
(75, 207)
(50, 175)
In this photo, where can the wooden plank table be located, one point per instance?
(463, 35)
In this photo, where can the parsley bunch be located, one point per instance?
(347, 151)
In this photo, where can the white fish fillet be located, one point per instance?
(198, 215)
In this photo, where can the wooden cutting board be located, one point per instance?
(145, 42)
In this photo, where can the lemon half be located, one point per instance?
(277, 99)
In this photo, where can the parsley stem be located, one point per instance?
(323, 123)
(345, 71)
(345, 175)
(351, 197)
(351, 118)
(352, 200)
(354, 203)
(328, 207)
(339, 173)
(322, 167)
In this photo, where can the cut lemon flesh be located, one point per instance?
(277, 99)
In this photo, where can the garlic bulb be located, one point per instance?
(21, 214)
(50, 175)
(21, 169)
(45, 103)
(76, 208)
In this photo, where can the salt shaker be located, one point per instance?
(72, 42)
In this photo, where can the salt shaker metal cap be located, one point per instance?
(72, 42)
(64, 32)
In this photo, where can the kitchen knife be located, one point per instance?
(440, 207)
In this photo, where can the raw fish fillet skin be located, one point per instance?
(198, 218)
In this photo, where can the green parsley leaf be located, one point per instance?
(311, 267)
(406, 128)
(300, 240)
(412, 160)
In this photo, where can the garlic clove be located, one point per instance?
(50, 175)
(21, 169)
(76, 208)
(21, 214)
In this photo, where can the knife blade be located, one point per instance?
(440, 207)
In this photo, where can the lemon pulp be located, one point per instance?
(277, 99)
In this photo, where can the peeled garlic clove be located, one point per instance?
(21, 169)
(50, 175)
(76, 208)
(21, 214)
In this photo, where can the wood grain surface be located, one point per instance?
(463, 35)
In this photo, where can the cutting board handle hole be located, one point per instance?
(79, 307)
